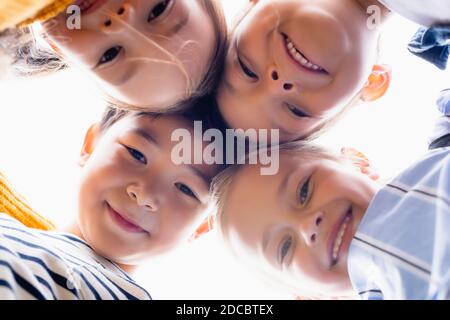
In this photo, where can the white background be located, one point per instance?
(43, 121)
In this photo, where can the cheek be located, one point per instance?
(180, 222)
(356, 70)
(310, 274)
(104, 171)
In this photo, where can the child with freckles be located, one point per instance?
(134, 203)
(322, 228)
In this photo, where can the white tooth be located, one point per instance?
(299, 57)
(339, 238)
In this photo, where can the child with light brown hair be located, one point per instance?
(148, 55)
(322, 227)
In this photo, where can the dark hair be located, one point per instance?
(201, 110)
(27, 57)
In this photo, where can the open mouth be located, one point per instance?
(339, 236)
(299, 58)
(88, 6)
(124, 222)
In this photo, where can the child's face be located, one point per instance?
(134, 202)
(297, 225)
(131, 47)
(269, 85)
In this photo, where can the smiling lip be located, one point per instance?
(346, 218)
(89, 6)
(124, 222)
(306, 64)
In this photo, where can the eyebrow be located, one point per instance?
(265, 240)
(179, 26)
(268, 235)
(242, 55)
(230, 87)
(201, 175)
(146, 135)
(227, 83)
(130, 72)
(282, 189)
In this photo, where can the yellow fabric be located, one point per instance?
(14, 205)
(15, 13)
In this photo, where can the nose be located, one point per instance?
(310, 226)
(117, 20)
(143, 198)
(277, 83)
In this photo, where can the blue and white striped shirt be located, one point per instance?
(401, 249)
(38, 264)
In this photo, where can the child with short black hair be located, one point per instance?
(134, 203)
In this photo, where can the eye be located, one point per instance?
(249, 73)
(110, 55)
(186, 190)
(303, 193)
(158, 10)
(137, 155)
(296, 111)
(285, 246)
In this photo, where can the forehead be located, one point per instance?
(154, 124)
(253, 196)
(161, 128)
(250, 201)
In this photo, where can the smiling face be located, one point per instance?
(293, 64)
(297, 225)
(145, 53)
(133, 201)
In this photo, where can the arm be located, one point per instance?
(14, 205)
(441, 134)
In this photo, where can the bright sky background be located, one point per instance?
(42, 126)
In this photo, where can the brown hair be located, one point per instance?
(29, 58)
(200, 111)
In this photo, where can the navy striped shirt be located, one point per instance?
(38, 264)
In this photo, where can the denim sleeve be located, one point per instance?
(443, 102)
(432, 44)
(441, 132)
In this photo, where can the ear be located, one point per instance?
(54, 47)
(206, 226)
(360, 162)
(378, 83)
(89, 143)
